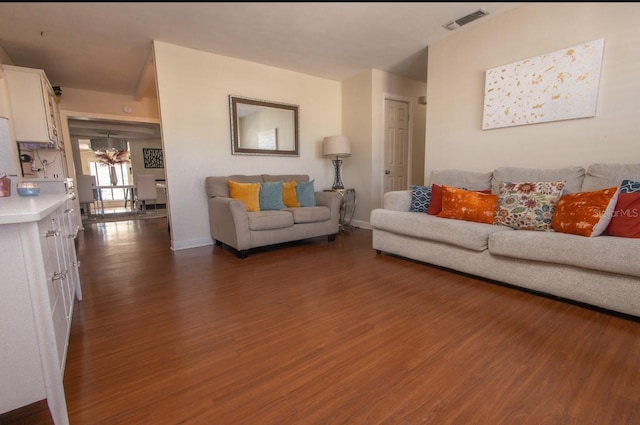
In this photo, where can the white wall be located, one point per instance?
(73, 101)
(363, 121)
(456, 71)
(193, 93)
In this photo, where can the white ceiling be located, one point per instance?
(106, 46)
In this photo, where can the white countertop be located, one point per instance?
(23, 209)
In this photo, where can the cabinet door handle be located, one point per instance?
(51, 233)
(59, 275)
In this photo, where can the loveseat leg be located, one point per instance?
(331, 238)
(242, 254)
(217, 242)
(378, 252)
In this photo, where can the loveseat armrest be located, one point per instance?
(331, 200)
(229, 222)
(397, 200)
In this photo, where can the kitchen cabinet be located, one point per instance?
(38, 292)
(34, 106)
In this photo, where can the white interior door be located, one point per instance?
(396, 145)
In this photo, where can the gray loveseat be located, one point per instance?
(231, 224)
(602, 271)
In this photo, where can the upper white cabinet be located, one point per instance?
(34, 108)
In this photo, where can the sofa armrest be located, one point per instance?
(229, 222)
(398, 200)
(331, 200)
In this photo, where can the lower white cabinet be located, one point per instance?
(38, 288)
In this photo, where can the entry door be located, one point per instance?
(396, 145)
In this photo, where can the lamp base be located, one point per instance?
(337, 182)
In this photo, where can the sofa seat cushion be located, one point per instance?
(602, 253)
(310, 214)
(270, 219)
(464, 234)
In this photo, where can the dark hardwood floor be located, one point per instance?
(326, 333)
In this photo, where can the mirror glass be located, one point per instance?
(260, 127)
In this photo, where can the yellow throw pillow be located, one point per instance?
(248, 193)
(289, 197)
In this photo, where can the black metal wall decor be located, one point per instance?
(153, 158)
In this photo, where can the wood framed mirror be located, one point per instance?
(260, 127)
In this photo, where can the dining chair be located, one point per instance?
(88, 193)
(146, 190)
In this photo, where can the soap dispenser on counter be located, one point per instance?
(5, 185)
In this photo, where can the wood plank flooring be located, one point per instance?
(326, 333)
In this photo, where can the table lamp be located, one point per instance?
(336, 147)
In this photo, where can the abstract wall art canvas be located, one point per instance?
(153, 158)
(560, 85)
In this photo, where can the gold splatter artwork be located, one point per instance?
(555, 86)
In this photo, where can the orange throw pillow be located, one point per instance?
(247, 193)
(289, 195)
(585, 213)
(468, 205)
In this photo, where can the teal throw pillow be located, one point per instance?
(420, 198)
(271, 196)
(629, 186)
(306, 194)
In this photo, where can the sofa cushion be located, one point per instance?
(464, 234)
(306, 193)
(219, 185)
(572, 176)
(289, 196)
(310, 214)
(285, 177)
(468, 205)
(604, 253)
(528, 205)
(601, 176)
(420, 197)
(269, 220)
(472, 180)
(247, 193)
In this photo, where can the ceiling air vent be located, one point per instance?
(466, 19)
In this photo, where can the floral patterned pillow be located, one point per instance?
(528, 205)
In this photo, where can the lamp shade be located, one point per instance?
(336, 146)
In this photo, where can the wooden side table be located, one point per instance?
(347, 206)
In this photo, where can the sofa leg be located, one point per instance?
(242, 254)
(378, 252)
(217, 242)
(331, 238)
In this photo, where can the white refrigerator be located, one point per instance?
(8, 151)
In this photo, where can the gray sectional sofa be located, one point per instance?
(231, 224)
(602, 271)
